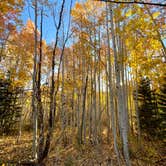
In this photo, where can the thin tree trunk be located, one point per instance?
(52, 90)
(95, 97)
(83, 110)
(73, 93)
(40, 107)
(63, 97)
(111, 93)
(99, 90)
(34, 97)
(131, 105)
(121, 110)
(107, 106)
(136, 108)
(91, 105)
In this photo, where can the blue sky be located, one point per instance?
(48, 23)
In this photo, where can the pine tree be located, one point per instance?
(10, 109)
(162, 108)
(147, 108)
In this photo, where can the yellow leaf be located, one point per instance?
(156, 14)
(128, 13)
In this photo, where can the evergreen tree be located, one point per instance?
(10, 109)
(147, 108)
(162, 107)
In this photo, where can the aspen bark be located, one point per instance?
(111, 92)
(121, 110)
(62, 97)
(99, 88)
(34, 95)
(83, 129)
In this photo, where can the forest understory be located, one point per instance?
(18, 151)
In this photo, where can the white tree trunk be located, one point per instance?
(111, 92)
(121, 110)
(34, 97)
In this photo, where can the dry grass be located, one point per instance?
(14, 151)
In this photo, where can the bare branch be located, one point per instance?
(134, 2)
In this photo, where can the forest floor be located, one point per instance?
(13, 151)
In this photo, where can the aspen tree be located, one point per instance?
(34, 95)
(111, 92)
(40, 107)
(121, 110)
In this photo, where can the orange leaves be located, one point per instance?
(77, 11)
(10, 7)
(30, 26)
(11, 27)
(19, 53)
(78, 6)
(87, 12)
(79, 14)
(9, 11)
(84, 35)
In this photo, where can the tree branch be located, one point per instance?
(134, 2)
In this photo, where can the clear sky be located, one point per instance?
(48, 23)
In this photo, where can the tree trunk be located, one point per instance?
(83, 122)
(52, 91)
(123, 123)
(34, 95)
(111, 93)
(40, 107)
